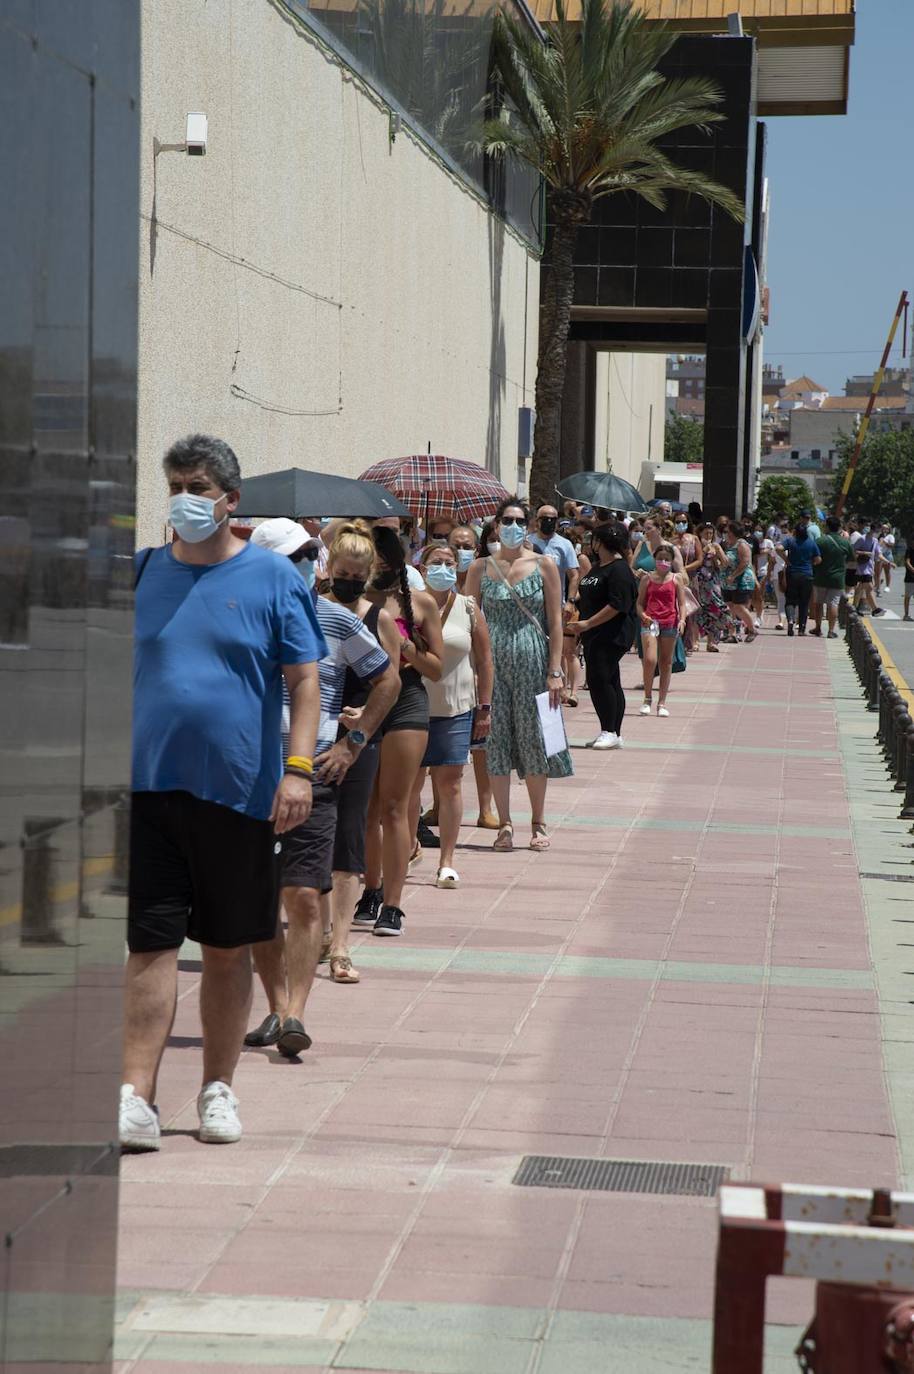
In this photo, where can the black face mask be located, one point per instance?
(547, 524)
(385, 580)
(347, 589)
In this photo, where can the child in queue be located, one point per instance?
(661, 606)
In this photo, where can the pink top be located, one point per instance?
(660, 602)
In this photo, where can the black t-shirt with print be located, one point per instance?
(612, 584)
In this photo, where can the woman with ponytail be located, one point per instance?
(404, 735)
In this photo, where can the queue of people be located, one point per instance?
(296, 691)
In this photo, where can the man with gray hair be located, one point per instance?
(219, 624)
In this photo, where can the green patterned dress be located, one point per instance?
(521, 659)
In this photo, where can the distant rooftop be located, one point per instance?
(804, 45)
(798, 386)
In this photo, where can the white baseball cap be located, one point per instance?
(280, 535)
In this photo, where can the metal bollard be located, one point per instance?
(903, 725)
(907, 809)
(871, 678)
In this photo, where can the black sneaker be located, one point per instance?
(880, 610)
(427, 837)
(390, 921)
(368, 907)
(790, 629)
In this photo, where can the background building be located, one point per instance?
(69, 89)
(336, 280)
(690, 280)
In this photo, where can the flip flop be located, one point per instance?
(504, 839)
(341, 970)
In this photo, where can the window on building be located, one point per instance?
(795, 455)
(816, 455)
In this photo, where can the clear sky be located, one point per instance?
(841, 241)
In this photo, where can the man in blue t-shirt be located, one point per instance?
(220, 625)
(559, 549)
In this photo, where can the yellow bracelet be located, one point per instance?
(297, 761)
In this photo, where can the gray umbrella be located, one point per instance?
(601, 489)
(296, 491)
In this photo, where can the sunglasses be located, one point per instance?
(514, 520)
(308, 551)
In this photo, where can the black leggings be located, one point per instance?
(799, 590)
(603, 660)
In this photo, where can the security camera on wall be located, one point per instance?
(195, 140)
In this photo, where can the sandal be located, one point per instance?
(341, 970)
(539, 840)
(416, 855)
(486, 821)
(504, 840)
(571, 701)
(325, 951)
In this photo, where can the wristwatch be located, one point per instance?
(484, 706)
(358, 738)
(556, 672)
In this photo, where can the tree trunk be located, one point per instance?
(555, 321)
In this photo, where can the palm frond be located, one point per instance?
(588, 108)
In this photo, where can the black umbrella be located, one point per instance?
(295, 492)
(601, 489)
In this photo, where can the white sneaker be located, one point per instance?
(662, 711)
(606, 739)
(645, 709)
(217, 1107)
(447, 877)
(138, 1123)
(758, 622)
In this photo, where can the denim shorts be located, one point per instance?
(666, 631)
(448, 741)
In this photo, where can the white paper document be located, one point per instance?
(552, 724)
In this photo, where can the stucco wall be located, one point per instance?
(630, 412)
(313, 293)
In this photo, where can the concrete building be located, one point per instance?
(896, 381)
(614, 411)
(336, 280)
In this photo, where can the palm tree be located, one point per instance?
(586, 110)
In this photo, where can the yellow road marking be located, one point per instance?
(892, 670)
(63, 892)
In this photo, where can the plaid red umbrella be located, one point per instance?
(431, 485)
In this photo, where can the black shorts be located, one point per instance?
(737, 597)
(410, 710)
(352, 812)
(199, 871)
(864, 579)
(307, 851)
(850, 577)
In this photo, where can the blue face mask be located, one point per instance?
(192, 517)
(511, 536)
(464, 558)
(306, 568)
(441, 577)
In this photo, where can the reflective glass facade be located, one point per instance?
(431, 58)
(69, 92)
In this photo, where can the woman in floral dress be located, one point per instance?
(519, 592)
(713, 618)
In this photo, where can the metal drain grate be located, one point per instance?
(891, 877)
(621, 1175)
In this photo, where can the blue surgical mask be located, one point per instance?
(511, 536)
(441, 577)
(681, 527)
(193, 517)
(464, 558)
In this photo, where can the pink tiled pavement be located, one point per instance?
(384, 1158)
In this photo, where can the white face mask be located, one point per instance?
(193, 517)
